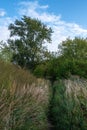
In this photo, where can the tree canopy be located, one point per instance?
(74, 49)
(27, 45)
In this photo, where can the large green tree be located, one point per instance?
(27, 45)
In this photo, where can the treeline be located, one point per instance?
(26, 48)
(71, 59)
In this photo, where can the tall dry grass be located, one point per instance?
(23, 99)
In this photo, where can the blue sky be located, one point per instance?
(67, 18)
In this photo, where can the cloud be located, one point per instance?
(61, 29)
(2, 12)
(4, 22)
(4, 33)
(34, 10)
(33, 5)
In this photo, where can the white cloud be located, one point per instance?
(2, 12)
(33, 5)
(4, 32)
(61, 29)
(34, 10)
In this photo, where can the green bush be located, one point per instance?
(60, 68)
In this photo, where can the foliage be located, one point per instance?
(74, 49)
(53, 69)
(71, 60)
(75, 53)
(28, 44)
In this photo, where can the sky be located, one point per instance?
(67, 18)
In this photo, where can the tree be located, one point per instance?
(27, 47)
(74, 53)
(74, 49)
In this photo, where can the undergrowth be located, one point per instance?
(68, 109)
(23, 99)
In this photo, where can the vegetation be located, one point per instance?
(24, 99)
(28, 47)
(69, 105)
(74, 49)
(71, 59)
(22, 105)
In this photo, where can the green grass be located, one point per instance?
(69, 105)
